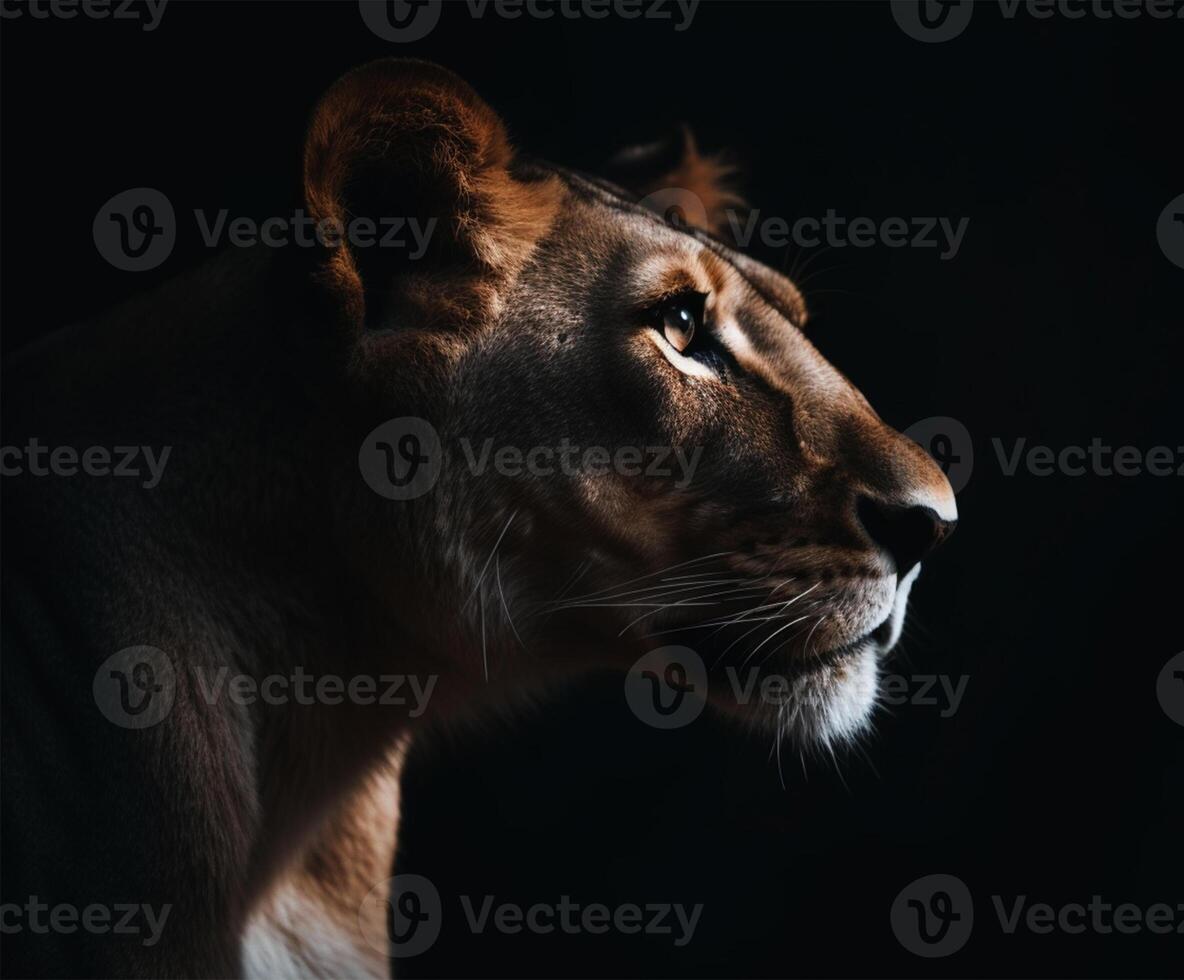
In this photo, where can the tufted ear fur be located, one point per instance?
(671, 173)
(407, 172)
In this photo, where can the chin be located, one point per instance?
(830, 703)
(828, 699)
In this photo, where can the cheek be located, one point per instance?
(590, 402)
(743, 448)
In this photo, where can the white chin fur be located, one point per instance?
(833, 704)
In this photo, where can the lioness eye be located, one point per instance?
(679, 320)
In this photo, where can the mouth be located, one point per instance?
(799, 660)
(730, 657)
(844, 650)
(875, 639)
(778, 631)
(784, 625)
(827, 697)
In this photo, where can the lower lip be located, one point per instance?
(847, 649)
(879, 635)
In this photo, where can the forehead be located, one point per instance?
(663, 257)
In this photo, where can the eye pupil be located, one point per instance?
(678, 325)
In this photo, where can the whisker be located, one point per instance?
(485, 567)
(748, 633)
(777, 736)
(780, 646)
(581, 569)
(660, 571)
(672, 605)
(484, 655)
(806, 645)
(658, 590)
(838, 768)
(744, 616)
(780, 611)
(780, 629)
(497, 568)
(679, 578)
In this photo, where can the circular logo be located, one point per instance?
(401, 458)
(932, 21)
(136, 687)
(401, 916)
(1170, 688)
(667, 688)
(933, 916)
(401, 20)
(678, 207)
(1170, 231)
(948, 442)
(136, 230)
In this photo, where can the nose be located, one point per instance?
(907, 532)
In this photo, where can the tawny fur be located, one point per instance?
(530, 320)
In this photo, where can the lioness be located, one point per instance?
(546, 307)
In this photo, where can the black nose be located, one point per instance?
(907, 533)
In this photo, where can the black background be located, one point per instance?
(1058, 321)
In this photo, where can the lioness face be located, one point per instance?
(771, 521)
(687, 468)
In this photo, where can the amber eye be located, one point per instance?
(680, 319)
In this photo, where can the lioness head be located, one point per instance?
(620, 437)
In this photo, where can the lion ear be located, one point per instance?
(672, 177)
(407, 177)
